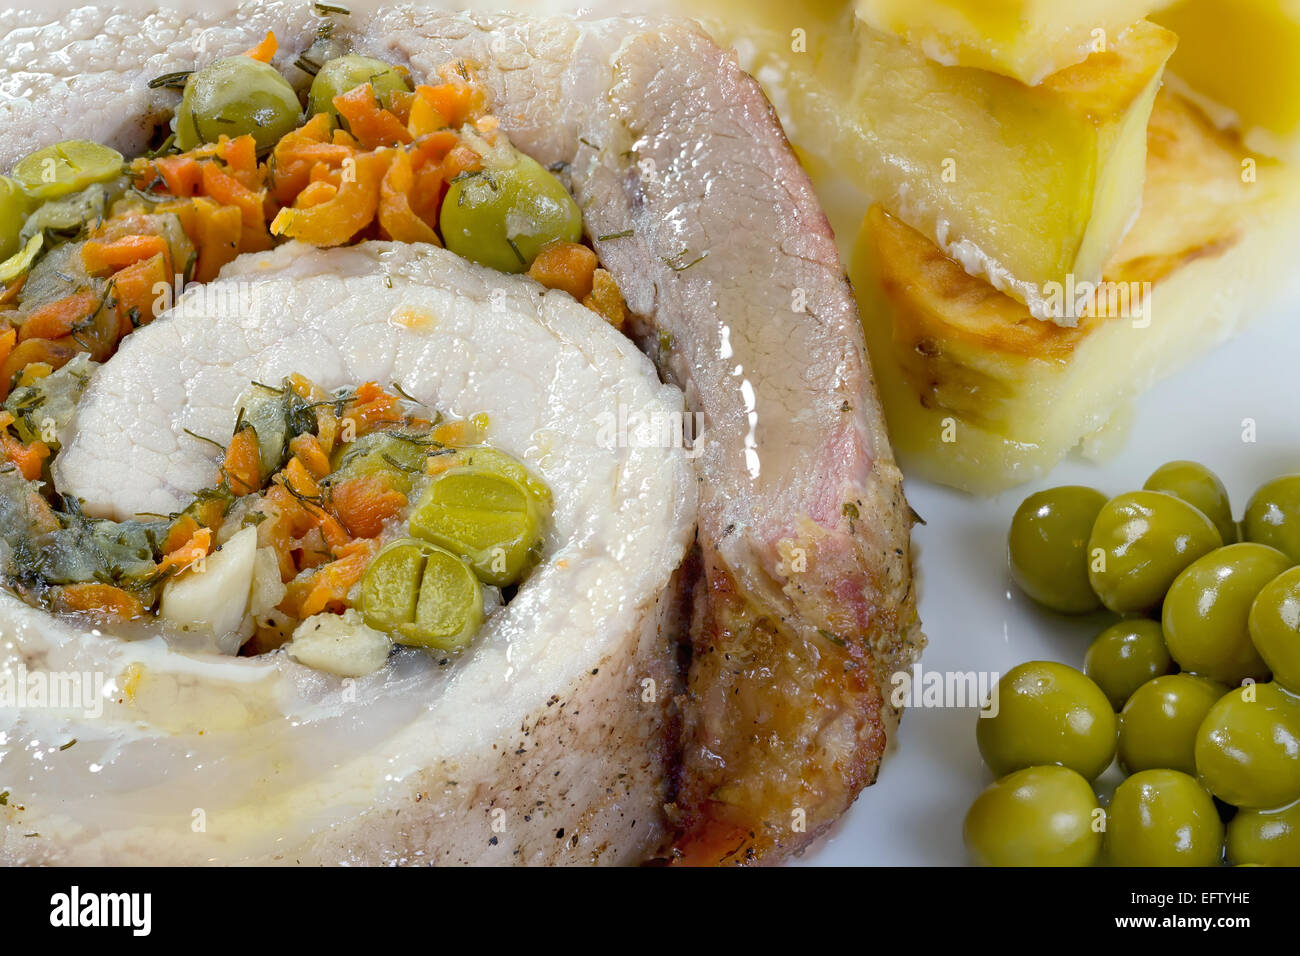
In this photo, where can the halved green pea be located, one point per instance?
(66, 168)
(1275, 628)
(21, 261)
(1163, 818)
(1206, 613)
(344, 73)
(1248, 748)
(487, 458)
(1140, 542)
(1039, 816)
(1125, 656)
(502, 216)
(485, 515)
(1047, 547)
(15, 207)
(234, 97)
(1200, 488)
(422, 595)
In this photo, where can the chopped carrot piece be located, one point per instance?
(197, 547)
(299, 152)
(370, 407)
(181, 531)
(458, 100)
(103, 600)
(569, 266)
(334, 222)
(368, 121)
(307, 449)
(265, 50)
(299, 480)
(363, 504)
(315, 193)
(341, 137)
(606, 299)
(54, 353)
(60, 317)
(102, 257)
(458, 434)
(433, 148)
(10, 292)
(332, 582)
(28, 459)
(242, 466)
(137, 302)
(229, 191)
(424, 117)
(180, 174)
(240, 157)
(461, 159)
(7, 340)
(219, 231)
(396, 217)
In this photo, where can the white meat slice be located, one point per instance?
(546, 742)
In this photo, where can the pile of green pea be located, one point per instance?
(1196, 688)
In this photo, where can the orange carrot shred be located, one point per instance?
(265, 50)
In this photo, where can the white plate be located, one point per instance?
(975, 618)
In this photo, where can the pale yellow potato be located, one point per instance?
(1026, 187)
(981, 396)
(1245, 56)
(1023, 39)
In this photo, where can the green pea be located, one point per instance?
(1039, 816)
(1125, 656)
(345, 73)
(1273, 516)
(1163, 818)
(1206, 615)
(487, 458)
(1140, 542)
(502, 216)
(422, 595)
(21, 262)
(1047, 713)
(66, 168)
(234, 97)
(1048, 547)
(1275, 628)
(15, 207)
(1200, 488)
(486, 514)
(1265, 837)
(398, 454)
(1248, 747)
(1157, 728)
